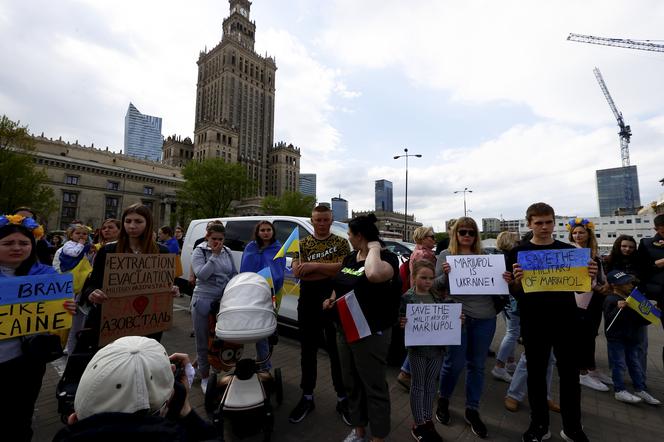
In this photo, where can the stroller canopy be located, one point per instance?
(246, 313)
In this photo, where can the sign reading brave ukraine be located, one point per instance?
(556, 270)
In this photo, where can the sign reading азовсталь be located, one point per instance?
(555, 270)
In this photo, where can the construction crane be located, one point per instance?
(642, 45)
(625, 135)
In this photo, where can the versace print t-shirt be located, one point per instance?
(332, 249)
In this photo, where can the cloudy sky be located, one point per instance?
(490, 93)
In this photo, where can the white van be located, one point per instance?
(240, 231)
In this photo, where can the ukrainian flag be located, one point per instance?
(292, 244)
(641, 305)
(267, 274)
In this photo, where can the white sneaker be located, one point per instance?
(648, 399)
(353, 437)
(510, 367)
(588, 381)
(627, 397)
(501, 374)
(204, 383)
(596, 374)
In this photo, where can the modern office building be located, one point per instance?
(142, 137)
(308, 184)
(618, 191)
(490, 225)
(339, 209)
(383, 190)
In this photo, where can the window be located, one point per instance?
(149, 204)
(71, 179)
(148, 190)
(637, 220)
(621, 222)
(69, 197)
(629, 221)
(112, 185)
(612, 222)
(68, 210)
(111, 207)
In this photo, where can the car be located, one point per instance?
(400, 248)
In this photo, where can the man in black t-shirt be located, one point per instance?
(548, 321)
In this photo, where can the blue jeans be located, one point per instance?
(476, 337)
(626, 354)
(519, 385)
(512, 332)
(262, 350)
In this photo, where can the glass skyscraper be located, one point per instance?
(308, 184)
(339, 209)
(142, 137)
(384, 196)
(611, 190)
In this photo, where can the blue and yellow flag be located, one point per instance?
(267, 274)
(641, 305)
(292, 244)
(559, 270)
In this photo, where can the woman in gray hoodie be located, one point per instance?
(213, 266)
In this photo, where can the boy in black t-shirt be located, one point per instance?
(548, 321)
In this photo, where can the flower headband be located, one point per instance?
(28, 223)
(580, 222)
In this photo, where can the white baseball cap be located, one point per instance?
(128, 375)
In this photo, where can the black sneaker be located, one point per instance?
(476, 424)
(443, 411)
(536, 433)
(342, 409)
(304, 407)
(574, 436)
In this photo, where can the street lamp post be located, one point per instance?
(405, 215)
(465, 212)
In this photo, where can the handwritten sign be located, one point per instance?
(140, 302)
(558, 270)
(433, 324)
(477, 275)
(34, 304)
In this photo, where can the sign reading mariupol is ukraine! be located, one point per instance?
(140, 302)
(559, 270)
(34, 304)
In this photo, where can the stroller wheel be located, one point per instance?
(211, 393)
(278, 386)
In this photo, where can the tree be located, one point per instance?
(21, 183)
(210, 187)
(291, 203)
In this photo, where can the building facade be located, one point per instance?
(283, 169)
(391, 224)
(308, 184)
(490, 225)
(92, 184)
(339, 209)
(383, 194)
(177, 151)
(235, 96)
(142, 136)
(618, 191)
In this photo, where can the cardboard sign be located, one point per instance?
(129, 274)
(140, 302)
(557, 270)
(477, 275)
(433, 324)
(34, 304)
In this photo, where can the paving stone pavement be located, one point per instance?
(604, 418)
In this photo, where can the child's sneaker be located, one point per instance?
(501, 374)
(647, 398)
(627, 397)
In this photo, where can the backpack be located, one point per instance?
(404, 274)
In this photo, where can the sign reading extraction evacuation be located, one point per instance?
(139, 291)
(557, 270)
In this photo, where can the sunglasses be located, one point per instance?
(464, 232)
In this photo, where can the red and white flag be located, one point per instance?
(354, 323)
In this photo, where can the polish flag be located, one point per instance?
(352, 319)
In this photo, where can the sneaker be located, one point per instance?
(204, 383)
(536, 433)
(304, 407)
(510, 367)
(647, 398)
(627, 397)
(443, 411)
(425, 433)
(511, 404)
(588, 381)
(576, 436)
(403, 379)
(476, 424)
(353, 437)
(603, 378)
(553, 406)
(342, 409)
(501, 374)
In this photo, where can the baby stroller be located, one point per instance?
(242, 394)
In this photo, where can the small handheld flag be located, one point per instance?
(641, 305)
(292, 244)
(267, 274)
(354, 323)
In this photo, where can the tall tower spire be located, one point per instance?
(238, 26)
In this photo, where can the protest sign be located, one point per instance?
(477, 275)
(433, 324)
(34, 304)
(140, 301)
(556, 270)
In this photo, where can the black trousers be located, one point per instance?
(22, 381)
(590, 320)
(317, 327)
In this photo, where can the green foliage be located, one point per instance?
(21, 183)
(211, 186)
(439, 236)
(291, 203)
